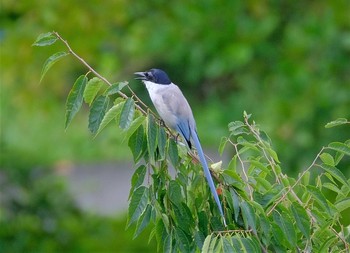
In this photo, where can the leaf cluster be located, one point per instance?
(266, 210)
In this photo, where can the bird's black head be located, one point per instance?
(154, 75)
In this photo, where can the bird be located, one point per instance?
(176, 113)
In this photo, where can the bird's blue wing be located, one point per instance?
(183, 127)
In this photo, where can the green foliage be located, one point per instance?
(266, 210)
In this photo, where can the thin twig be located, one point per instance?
(94, 71)
(243, 169)
(296, 182)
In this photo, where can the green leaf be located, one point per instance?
(51, 61)
(174, 192)
(302, 219)
(226, 245)
(273, 154)
(136, 143)
(319, 198)
(206, 244)
(327, 159)
(248, 216)
(45, 39)
(138, 203)
(161, 142)
(337, 174)
(97, 113)
(237, 128)
(75, 99)
(222, 145)
(236, 203)
(115, 88)
(326, 246)
(337, 122)
(343, 204)
(236, 243)
(137, 178)
(213, 244)
(168, 244)
(286, 225)
(199, 239)
(182, 240)
(134, 126)
(173, 153)
(111, 114)
(334, 188)
(203, 222)
(91, 90)
(127, 114)
(250, 245)
(143, 221)
(259, 165)
(152, 132)
(340, 147)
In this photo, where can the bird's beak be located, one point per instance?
(140, 75)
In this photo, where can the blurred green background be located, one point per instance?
(286, 62)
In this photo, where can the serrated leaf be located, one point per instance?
(92, 88)
(173, 153)
(45, 39)
(334, 188)
(97, 113)
(302, 219)
(286, 225)
(182, 240)
(273, 154)
(226, 245)
(337, 122)
(137, 178)
(203, 222)
(127, 114)
(115, 88)
(342, 204)
(259, 165)
(327, 159)
(248, 216)
(111, 114)
(206, 244)
(75, 99)
(138, 203)
(237, 128)
(337, 174)
(236, 243)
(152, 132)
(213, 244)
(161, 142)
(222, 145)
(168, 244)
(134, 126)
(136, 143)
(236, 203)
(174, 193)
(51, 61)
(250, 245)
(199, 239)
(340, 147)
(143, 221)
(319, 198)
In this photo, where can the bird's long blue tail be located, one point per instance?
(207, 172)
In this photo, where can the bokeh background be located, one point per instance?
(286, 62)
